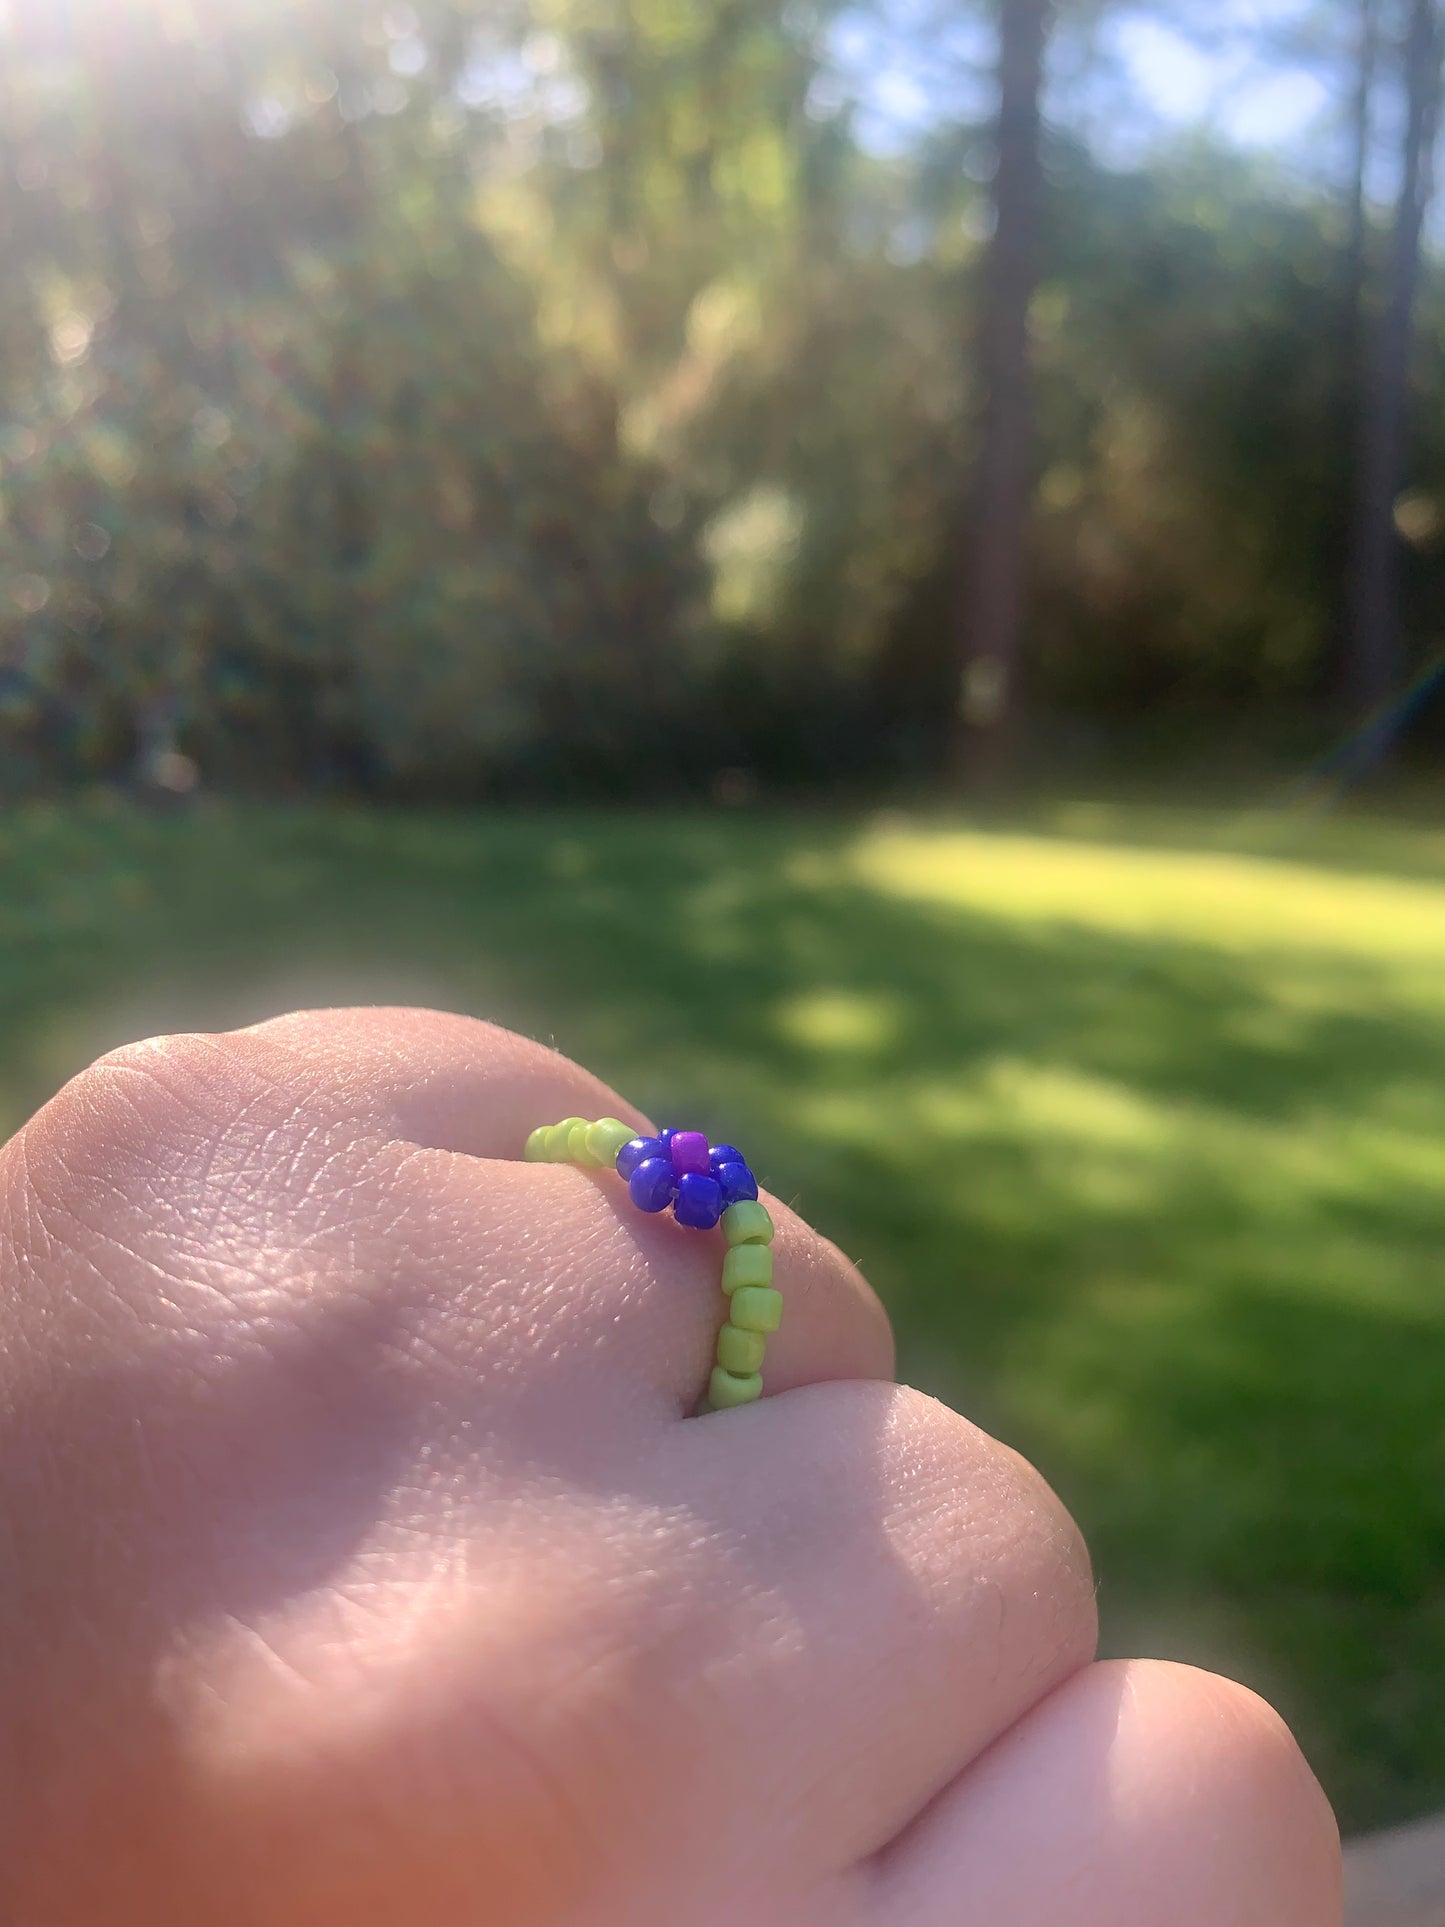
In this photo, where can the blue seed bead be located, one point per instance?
(635, 1153)
(666, 1135)
(651, 1184)
(699, 1201)
(722, 1154)
(737, 1182)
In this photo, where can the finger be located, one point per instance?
(244, 1164)
(455, 1084)
(885, 1591)
(283, 1151)
(617, 1311)
(1138, 1795)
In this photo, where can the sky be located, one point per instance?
(1247, 98)
(908, 63)
(1136, 82)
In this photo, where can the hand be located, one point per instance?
(361, 1567)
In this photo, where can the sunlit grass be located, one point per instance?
(1142, 1139)
(1228, 902)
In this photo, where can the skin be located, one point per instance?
(361, 1567)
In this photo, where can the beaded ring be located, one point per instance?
(706, 1184)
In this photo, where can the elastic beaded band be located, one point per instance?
(706, 1185)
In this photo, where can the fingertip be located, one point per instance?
(1200, 1737)
(1138, 1792)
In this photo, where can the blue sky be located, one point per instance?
(1250, 99)
(1135, 81)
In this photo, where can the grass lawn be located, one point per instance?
(1139, 1131)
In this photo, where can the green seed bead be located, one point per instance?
(747, 1265)
(536, 1151)
(756, 1308)
(725, 1389)
(558, 1149)
(747, 1223)
(740, 1352)
(606, 1138)
(577, 1129)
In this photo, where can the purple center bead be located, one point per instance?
(689, 1153)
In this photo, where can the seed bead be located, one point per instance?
(747, 1265)
(699, 1200)
(737, 1181)
(747, 1223)
(726, 1389)
(606, 1138)
(652, 1184)
(740, 1352)
(756, 1308)
(560, 1139)
(636, 1151)
(689, 1153)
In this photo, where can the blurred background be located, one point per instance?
(875, 572)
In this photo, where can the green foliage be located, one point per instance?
(462, 401)
(1141, 1135)
(1189, 344)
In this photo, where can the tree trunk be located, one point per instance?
(1350, 375)
(1375, 650)
(1357, 239)
(992, 606)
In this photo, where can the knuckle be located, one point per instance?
(1017, 1526)
(134, 1106)
(107, 1112)
(135, 1156)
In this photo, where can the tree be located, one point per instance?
(1356, 261)
(991, 611)
(1375, 644)
(1360, 55)
(462, 399)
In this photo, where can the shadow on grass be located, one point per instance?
(1165, 1214)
